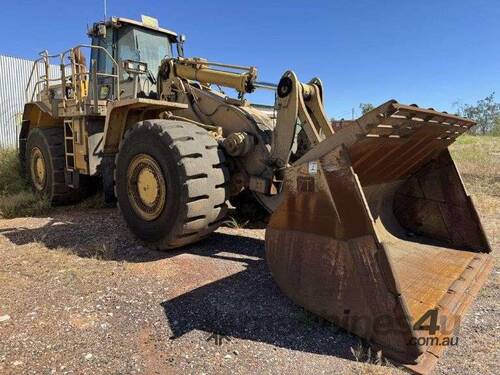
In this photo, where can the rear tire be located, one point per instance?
(45, 165)
(171, 182)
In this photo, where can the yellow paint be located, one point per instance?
(150, 21)
(147, 186)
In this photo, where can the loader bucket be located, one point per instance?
(376, 233)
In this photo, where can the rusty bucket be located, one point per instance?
(377, 233)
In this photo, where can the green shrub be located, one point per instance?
(16, 198)
(12, 179)
(24, 203)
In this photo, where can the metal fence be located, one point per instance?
(14, 75)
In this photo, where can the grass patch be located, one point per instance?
(478, 160)
(95, 201)
(12, 178)
(16, 198)
(22, 204)
(363, 353)
(233, 223)
(477, 156)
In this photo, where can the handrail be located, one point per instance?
(41, 79)
(35, 65)
(45, 78)
(115, 65)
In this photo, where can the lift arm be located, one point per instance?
(296, 102)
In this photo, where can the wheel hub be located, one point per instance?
(38, 169)
(146, 187)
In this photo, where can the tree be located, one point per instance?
(365, 107)
(486, 112)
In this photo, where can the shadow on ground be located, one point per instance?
(249, 305)
(246, 305)
(100, 233)
(90, 234)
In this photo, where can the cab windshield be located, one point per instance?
(145, 46)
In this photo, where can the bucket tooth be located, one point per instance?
(393, 253)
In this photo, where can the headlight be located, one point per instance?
(136, 67)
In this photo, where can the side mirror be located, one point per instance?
(180, 45)
(101, 30)
(98, 30)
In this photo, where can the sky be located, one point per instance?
(432, 53)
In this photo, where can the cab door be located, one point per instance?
(103, 64)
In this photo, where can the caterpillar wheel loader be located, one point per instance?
(371, 225)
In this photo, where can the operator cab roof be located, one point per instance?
(149, 23)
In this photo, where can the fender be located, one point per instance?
(124, 113)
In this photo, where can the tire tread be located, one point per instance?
(204, 176)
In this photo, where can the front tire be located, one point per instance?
(170, 182)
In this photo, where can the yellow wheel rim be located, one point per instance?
(38, 169)
(146, 187)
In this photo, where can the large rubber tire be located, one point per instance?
(195, 176)
(50, 142)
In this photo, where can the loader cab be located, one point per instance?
(138, 49)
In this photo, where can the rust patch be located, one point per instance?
(305, 184)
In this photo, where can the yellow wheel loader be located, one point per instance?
(371, 225)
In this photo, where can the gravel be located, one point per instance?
(78, 294)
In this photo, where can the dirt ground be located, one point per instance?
(79, 295)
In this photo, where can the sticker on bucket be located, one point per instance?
(313, 167)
